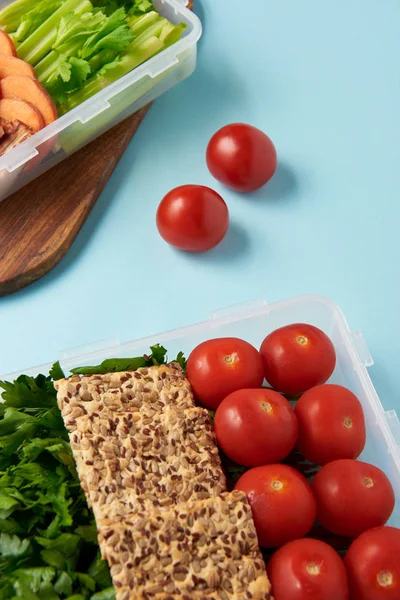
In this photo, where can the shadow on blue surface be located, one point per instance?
(283, 187)
(232, 248)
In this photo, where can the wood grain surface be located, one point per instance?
(39, 223)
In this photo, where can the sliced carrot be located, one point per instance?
(6, 44)
(9, 65)
(26, 88)
(19, 110)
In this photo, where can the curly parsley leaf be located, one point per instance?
(44, 553)
(56, 372)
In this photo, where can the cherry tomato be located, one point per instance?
(331, 424)
(241, 157)
(352, 496)
(255, 427)
(373, 565)
(282, 503)
(297, 357)
(193, 218)
(308, 569)
(218, 367)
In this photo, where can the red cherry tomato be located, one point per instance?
(373, 565)
(352, 496)
(218, 367)
(282, 503)
(297, 357)
(331, 424)
(241, 157)
(193, 218)
(255, 427)
(308, 569)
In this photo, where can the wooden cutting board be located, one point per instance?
(39, 223)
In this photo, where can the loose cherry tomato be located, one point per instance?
(297, 357)
(308, 569)
(352, 496)
(331, 424)
(282, 503)
(255, 427)
(241, 157)
(373, 565)
(218, 367)
(193, 218)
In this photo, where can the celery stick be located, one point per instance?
(127, 63)
(38, 44)
(138, 24)
(102, 58)
(171, 36)
(15, 10)
(45, 66)
(154, 30)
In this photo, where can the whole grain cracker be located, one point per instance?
(121, 463)
(204, 547)
(150, 390)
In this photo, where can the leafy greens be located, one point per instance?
(48, 541)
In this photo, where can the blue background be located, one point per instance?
(322, 79)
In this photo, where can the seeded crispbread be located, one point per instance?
(149, 465)
(206, 548)
(122, 463)
(148, 391)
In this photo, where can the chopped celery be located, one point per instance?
(139, 24)
(36, 46)
(78, 47)
(128, 62)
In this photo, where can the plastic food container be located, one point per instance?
(112, 105)
(252, 322)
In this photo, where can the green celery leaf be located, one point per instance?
(114, 34)
(68, 75)
(75, 27)
(80, 71)
(61, 69)
(132, 6)
(23, 17)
